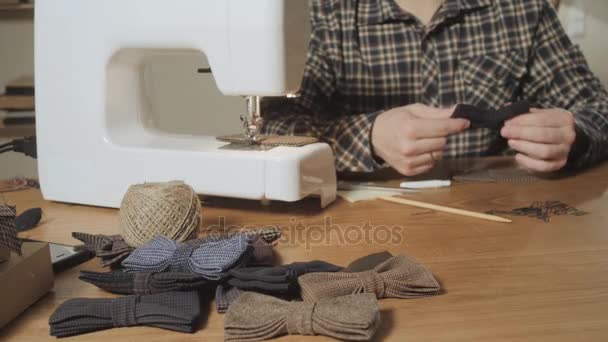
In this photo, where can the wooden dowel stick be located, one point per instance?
(445, 209)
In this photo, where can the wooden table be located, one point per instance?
(528, 280)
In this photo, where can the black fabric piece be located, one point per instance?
(29, 219)
(368, 262)
(178, 311)
(279, 279)
(494, 119)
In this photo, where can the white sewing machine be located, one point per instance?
(94, 139)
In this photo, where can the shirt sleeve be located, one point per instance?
(315, 111)
(559, 76)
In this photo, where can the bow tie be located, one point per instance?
(179, 311)
(278, 279)
(143, 283)
(112, 249)
(211, 258)
(398, 277)
(255, 317)
(8, 233)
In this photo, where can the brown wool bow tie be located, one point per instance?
(398, 277)
(256, 317)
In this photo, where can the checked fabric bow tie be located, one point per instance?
(211, 258)
(255, 317)
(8, 233)
(178, 311)
(112, 249)
(398, 277)
(143, 283)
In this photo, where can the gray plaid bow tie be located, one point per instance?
(210, 259)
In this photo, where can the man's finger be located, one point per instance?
(542, 166)
(540, 151)
(546, 135)
(434, 128)
(543, 119)
(414, 171)
(427, 112)
(423, 146)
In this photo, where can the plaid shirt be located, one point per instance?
(368, 56)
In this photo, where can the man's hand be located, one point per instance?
(543, 138)
(411, 138)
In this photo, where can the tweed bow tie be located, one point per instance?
(179, 311)
(398, 277)
(255, 317)
(112, 249)
(279, 279)
(8, 233)
(143, 283)
(211, 258)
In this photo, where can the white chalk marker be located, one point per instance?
(428, 184)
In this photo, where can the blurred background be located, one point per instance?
(179, 92)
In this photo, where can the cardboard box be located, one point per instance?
(5, 254)
(24, 279)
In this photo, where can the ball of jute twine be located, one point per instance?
(169, 209)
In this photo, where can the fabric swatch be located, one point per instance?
(398, 277)
(494, 119)
(256, 317)
(271, 140)
(212, 258)
(143, 283)
(178, 311)
(8, 233)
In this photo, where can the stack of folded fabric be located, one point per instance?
(178, 311)
(144, 283)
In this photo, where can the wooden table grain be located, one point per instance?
(529, 280)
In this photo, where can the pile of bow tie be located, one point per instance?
(164, 282)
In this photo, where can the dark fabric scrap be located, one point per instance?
(29, 219)
(494, 119)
